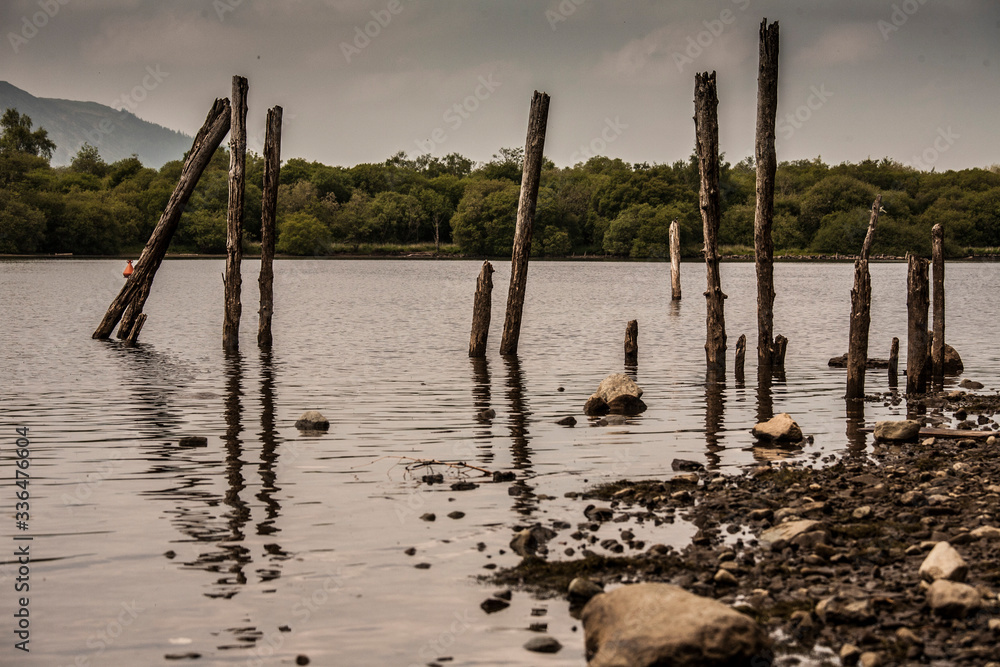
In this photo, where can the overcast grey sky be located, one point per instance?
(916, 80)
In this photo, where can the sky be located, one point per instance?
(914, 80)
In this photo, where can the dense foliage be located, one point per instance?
(602, 206)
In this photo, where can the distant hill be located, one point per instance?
(116, 134)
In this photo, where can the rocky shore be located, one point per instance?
(888, 557)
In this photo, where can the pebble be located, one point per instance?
(456, 514)
(493, 605)
(849, 654)
(428, 516)
(543, 645)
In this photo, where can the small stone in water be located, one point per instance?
(428, 516)
(410, 551)
(423, 566)
(302, 660)
(493, 605)
(456, 515)
(543, 645)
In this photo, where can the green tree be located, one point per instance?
(302, 234)
(18, 137)
(88, 160)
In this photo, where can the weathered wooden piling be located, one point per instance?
(917, 303)
(741, 355)
(937, 342)
(133, 335)
(861, 302)
(269, 202)
(778, 358)
(481, 312)
(894, 362)
(632, 343)
(675, 261)
(706, 123)
(234, 216)
(136, 289)
(530, 177)
(766, 158)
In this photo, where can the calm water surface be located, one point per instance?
(143, 549)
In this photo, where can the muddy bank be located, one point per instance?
(841, 577)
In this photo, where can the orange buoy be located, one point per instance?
(128, 269)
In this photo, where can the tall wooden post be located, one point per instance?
(917, 302)
(767, 109)
(133, 295)
(741, 355)
(632, 343)
(706, 124)
(861, 317)
(234, 216)
(675, 261)
(937, 342)
(481, 312)
(534, 145)
(269, 202)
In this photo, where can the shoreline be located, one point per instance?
(849, 581)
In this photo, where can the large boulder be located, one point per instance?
(617, 393)
(780, 428)
(659, 624)
(952, 599)
(952, 361)
(943, 562)
(897, 431)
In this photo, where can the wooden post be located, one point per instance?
(481, 312)
(767, 108)
(706, 124)
(133, 294)
(269, 202)
(675, 261)
(917, 302)
(778, 359)
(741, 354)
(133, 335)
(534, 145)
(861, 302)
(894, 362)
(937, 258)
(632, 343)
(234, 216)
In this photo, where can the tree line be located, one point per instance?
(603, 206)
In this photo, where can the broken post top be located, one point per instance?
(867, 245)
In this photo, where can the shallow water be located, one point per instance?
(142, 548)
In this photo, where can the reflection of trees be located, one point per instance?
(481, 399)
(715, 387)
(525, 502)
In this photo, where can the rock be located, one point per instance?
(595, 513)
(428, 516)
(989, 533)
(897, 431)
(567, 421)
(840, 610)
(493, 605)
(193, 441)
(302, 659)
(725, 578)
(779, 536)
(953, 600)
(661, 624)
(612, 420)
(456, 514)
(486, 415)
(582, 588)
(543, 645)
(952, 361)
(994, 624)
(911, 498)
(780, 428)
(312, 420)
(943, 562)
(970, 384)
(686, 465)
(617, 393)
(527, 541)
(869, 659)
(907, 636)
(861, 513)
(849, 654)
(841, 362)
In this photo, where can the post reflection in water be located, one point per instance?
(715, 387)
(856, 438)
(235, 554)
(481, 399)
(268, 459)
(525, 501)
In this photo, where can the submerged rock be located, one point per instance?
(898, 431)
(617, 393)
(544, 644)
(312, 420)
(661, 624)
(841, 362)
(527, 541)
(780, 428)
(567, 421)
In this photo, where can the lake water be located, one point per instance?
(143, 549)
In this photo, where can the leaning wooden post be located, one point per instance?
(767, 109)
(861, 302)
(706, 124)
(269, 202)
(632, 343)
(917, 302)
(675, 261)
(894, 363)
(937, 342)
(234, 216)
(131, 296)
(133, 335)
(481, 312)
(741, 355)
(530, 178)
